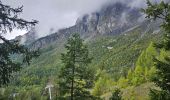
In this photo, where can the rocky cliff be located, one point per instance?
(27, 38)
(110, 20)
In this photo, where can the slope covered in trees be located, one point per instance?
(123, 67)
(113, 55)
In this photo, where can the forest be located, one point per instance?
(130, 66)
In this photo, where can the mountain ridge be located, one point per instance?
(112, 19)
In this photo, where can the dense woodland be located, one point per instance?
(131, 66)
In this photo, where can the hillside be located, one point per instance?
(115, 36)
(112, 19)
(125, 49)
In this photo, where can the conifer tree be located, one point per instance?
(161, 11)
(116, 95)
(75, 75)
(10, 20)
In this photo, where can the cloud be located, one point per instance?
(59, 14)
(55, 14)
(14, 34)
(138, 3)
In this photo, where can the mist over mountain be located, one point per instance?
(111, 19)
(116, 34)
(58, 14)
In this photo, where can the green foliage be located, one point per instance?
(144, 69)
(151, 73)
(130, 74)
(125, 52)
(24, 93)
(10, 20)
(159, 11)
(159, 94)
(122, 82)
(146, 57)
(162, 75)
(145, 65)
(75, 73)
(139, 92)
(116, 62)
(103, 85)
(116, 95)
(162, 78)
(138, 76)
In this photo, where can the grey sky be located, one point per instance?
(59, 14)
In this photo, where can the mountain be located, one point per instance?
(116, 35)
(115, 26)
(28, 37)
(110, 20)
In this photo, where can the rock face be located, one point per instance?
(110, 20)
(27, 38)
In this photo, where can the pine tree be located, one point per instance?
(10, 20)
(161, 11)
(116, 95)
(75, 75)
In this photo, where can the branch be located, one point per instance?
(4, 40)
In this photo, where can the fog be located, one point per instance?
(57, 14)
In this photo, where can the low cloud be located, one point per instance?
(59, 14)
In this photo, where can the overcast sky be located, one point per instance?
(59, 14)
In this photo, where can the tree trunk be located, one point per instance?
(72, 89)
(72, 82)
(72, 85)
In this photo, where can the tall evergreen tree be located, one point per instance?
(10, 20)
(161, 11)
(75, 75)
(116, 95)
